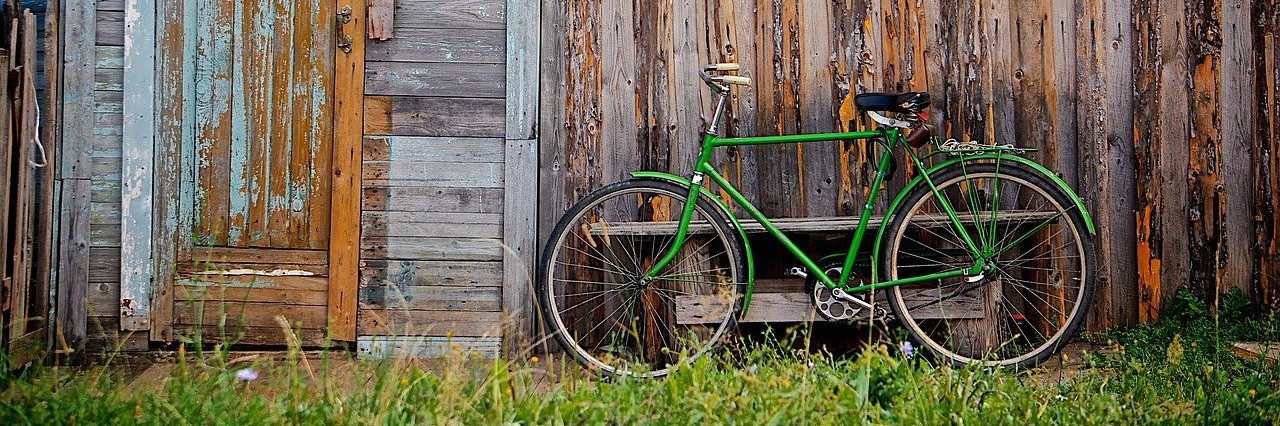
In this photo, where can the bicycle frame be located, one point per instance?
(893, 138)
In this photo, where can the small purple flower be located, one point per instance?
(907, 349)
(246, 375)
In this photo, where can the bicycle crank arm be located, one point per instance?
(845, 296)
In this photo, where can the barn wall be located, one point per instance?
(433, 178)
(1162, 111)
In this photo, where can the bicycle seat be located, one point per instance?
(910, 102)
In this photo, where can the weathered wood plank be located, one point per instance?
(73, 263)
(284, 283)
(111, 30)
(434, 174)
(457, 150)
(435, 79)
(457, 46)
(138, 163)
(105, 338)
(450, 14)
(432, 298)
(433, 199)
(250, 314)
(523, 55)
(401, 322)
(212, 122)
(476, 117)
(376, 272)
(1238, 123)
(78, 33)
(431, 224)
(174, 125)
(270, 334)
(206, 293)
(398, 347)
(412, 248)
(519, 243)
(381, 19)
(344, 219)
(259, 256)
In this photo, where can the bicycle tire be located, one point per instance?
(1034, 295)
(605, 243)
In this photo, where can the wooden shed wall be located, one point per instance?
(103, 293)
(434, 160)
(1162, 112)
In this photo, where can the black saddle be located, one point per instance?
(911, 102)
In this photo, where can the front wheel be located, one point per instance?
(603, 306)
(1035, 289)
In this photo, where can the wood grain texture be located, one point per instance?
(138, 165)
(381, 19)
(441, 45)
(400, 347)
(450, 14)
(415, 116)
(344, 248)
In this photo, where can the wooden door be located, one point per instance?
(262, 172)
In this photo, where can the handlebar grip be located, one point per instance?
(725, 66)
(736, 80)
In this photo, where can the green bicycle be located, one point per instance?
(986, 256)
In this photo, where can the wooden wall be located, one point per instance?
(103, 293)
(1161, 112)
(433, 178)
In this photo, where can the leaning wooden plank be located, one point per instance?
(7, 154)
(436, 323)
(344, 249)
(380, 347)
(28, 155)
(50, 123)
(136, 269)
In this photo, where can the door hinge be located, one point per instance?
(344, 15)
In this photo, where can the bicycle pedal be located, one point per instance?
(796, 271)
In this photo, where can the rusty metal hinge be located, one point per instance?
(344, 15)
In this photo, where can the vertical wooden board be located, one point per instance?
(300, 93)
(78, 62)
(174, 128)
(7, 195)
(777, 85)
(1267, 198)
(519, 249)
(522, 61)
(136, 269)
(324, 62)
(344, 248)
(1203, 197)
(686, 122)
(552, 113)
(73, 264)
(1061, 88)
(999, 45)
(1146, 149)
(1238, 122)
(740, 36)
(213, 64)
(281, 18)
(618, 73)
(820, 189)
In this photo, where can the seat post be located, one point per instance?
(722, 99)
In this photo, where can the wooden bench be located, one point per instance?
(794, 304)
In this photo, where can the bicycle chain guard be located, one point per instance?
(825, 300)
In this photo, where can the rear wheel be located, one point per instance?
(1038, 283)
(598, 301)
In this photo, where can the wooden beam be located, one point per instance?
(344, 237)
(173, 126)
(136, 269)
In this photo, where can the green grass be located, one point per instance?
(1138, 376)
